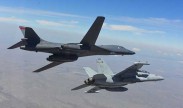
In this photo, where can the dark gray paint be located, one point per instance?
(69, 52)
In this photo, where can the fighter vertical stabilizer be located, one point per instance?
(103, 67)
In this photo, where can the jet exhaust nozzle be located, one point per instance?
(89, 81)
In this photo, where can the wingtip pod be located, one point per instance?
(143, 63)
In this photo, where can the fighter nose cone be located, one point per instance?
(161, 78)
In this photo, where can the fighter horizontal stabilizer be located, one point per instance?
(80, 87)
(92, 34)
(53, 64)
(19, 44)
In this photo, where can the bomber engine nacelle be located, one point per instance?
(71, 46)
(74, 46)
(62, 58)
(89, 81)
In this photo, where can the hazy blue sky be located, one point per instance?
(153, 27)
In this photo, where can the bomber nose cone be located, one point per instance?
(131, 52)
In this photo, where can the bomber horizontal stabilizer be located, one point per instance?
(19, 44)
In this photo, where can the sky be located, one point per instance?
(151, 28)
(147, 27)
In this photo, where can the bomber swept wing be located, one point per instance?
(92, 34)
(48, 66)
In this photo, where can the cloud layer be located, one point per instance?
(130, 28)
(13, 19)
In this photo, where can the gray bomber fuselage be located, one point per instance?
(78, 49)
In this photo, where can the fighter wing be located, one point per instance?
(94, 90)
(132, 70)
(92, 34)
(48, 66)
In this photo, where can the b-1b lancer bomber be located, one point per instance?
(106, 79)
(69, 52)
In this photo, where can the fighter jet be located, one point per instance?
(69, 52)
(106, 79)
